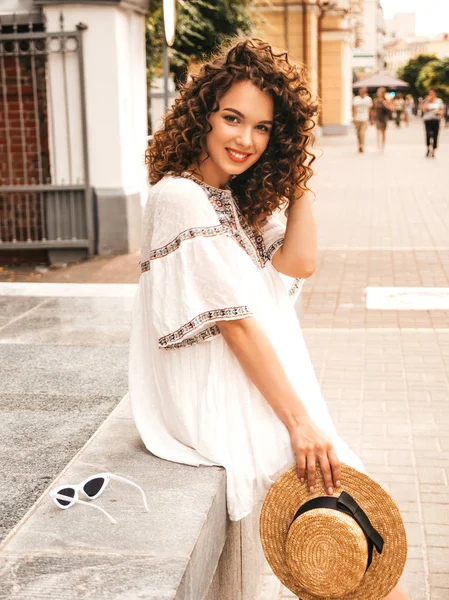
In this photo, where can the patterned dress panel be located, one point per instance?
(230, 216)
(235, 226)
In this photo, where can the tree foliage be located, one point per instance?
(412, 69)
(201, 25)
(435, 74)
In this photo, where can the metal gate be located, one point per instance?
(45, 196)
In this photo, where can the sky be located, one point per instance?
(432, 16)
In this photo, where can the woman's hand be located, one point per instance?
(311, 446)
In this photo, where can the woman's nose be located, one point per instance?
(244, 139)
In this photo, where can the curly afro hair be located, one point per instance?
(273, 181)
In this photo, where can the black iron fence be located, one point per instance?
(45, 196)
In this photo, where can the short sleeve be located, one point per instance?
(273, 234)
(196, 274)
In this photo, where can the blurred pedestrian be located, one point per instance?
(398, 106)
(409, 108)
(361, 109)
(419, 110)
(381, 113)
(432, 111)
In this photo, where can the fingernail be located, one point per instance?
(302, 479)
(312, 489)
(330, 491)
(338, 483)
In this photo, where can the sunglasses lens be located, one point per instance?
(92, 487)
(69, 492)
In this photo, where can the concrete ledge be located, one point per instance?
(185, 548)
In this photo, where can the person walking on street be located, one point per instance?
(432, 111)
(361, 109)
(381, 112)
(230, 381)
(399, 106)
(409, 108)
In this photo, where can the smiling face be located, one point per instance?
(241, 130)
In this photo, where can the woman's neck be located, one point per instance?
(209, 173)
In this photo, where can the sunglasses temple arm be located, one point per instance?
(134, 484)
(99, 508)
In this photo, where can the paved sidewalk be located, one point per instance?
(99, 269)
(63, 369)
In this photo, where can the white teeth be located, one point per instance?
(236, 154)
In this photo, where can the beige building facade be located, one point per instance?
(322, 39)
(399, 52)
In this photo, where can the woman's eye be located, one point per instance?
(263, 128)
(231, 119)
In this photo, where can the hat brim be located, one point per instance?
(288, 494)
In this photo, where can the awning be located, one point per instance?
(382, 79)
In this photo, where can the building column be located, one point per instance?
(116, 113)
(336, 75)
(292, 25)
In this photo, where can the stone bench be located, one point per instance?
(185, 548)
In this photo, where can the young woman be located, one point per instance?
(219, 371)
(382, 109)
(432, 110)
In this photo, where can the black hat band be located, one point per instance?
(346, 504)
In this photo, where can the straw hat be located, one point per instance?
(323, 553)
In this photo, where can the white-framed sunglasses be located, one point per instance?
(66, 496)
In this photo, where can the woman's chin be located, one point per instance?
(238, 169)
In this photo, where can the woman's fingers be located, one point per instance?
(336, 467)
(301, 460)
(311, 471)
(327, 473)
(330, 469)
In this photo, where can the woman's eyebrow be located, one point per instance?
(237, 112)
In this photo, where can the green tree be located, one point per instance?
(201, 26)
(435, 74)
(412, 69)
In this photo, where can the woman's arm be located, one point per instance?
(259, 360)
(297, 255)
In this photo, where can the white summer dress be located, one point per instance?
(191, 400)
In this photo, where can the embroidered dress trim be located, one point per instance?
(274, 246)
(203, 336)
(229, 215)
(189, 234)
(211, 315)
(296, 285)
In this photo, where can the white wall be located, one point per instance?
(402, 25)
(115, 83)
(365, 57)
